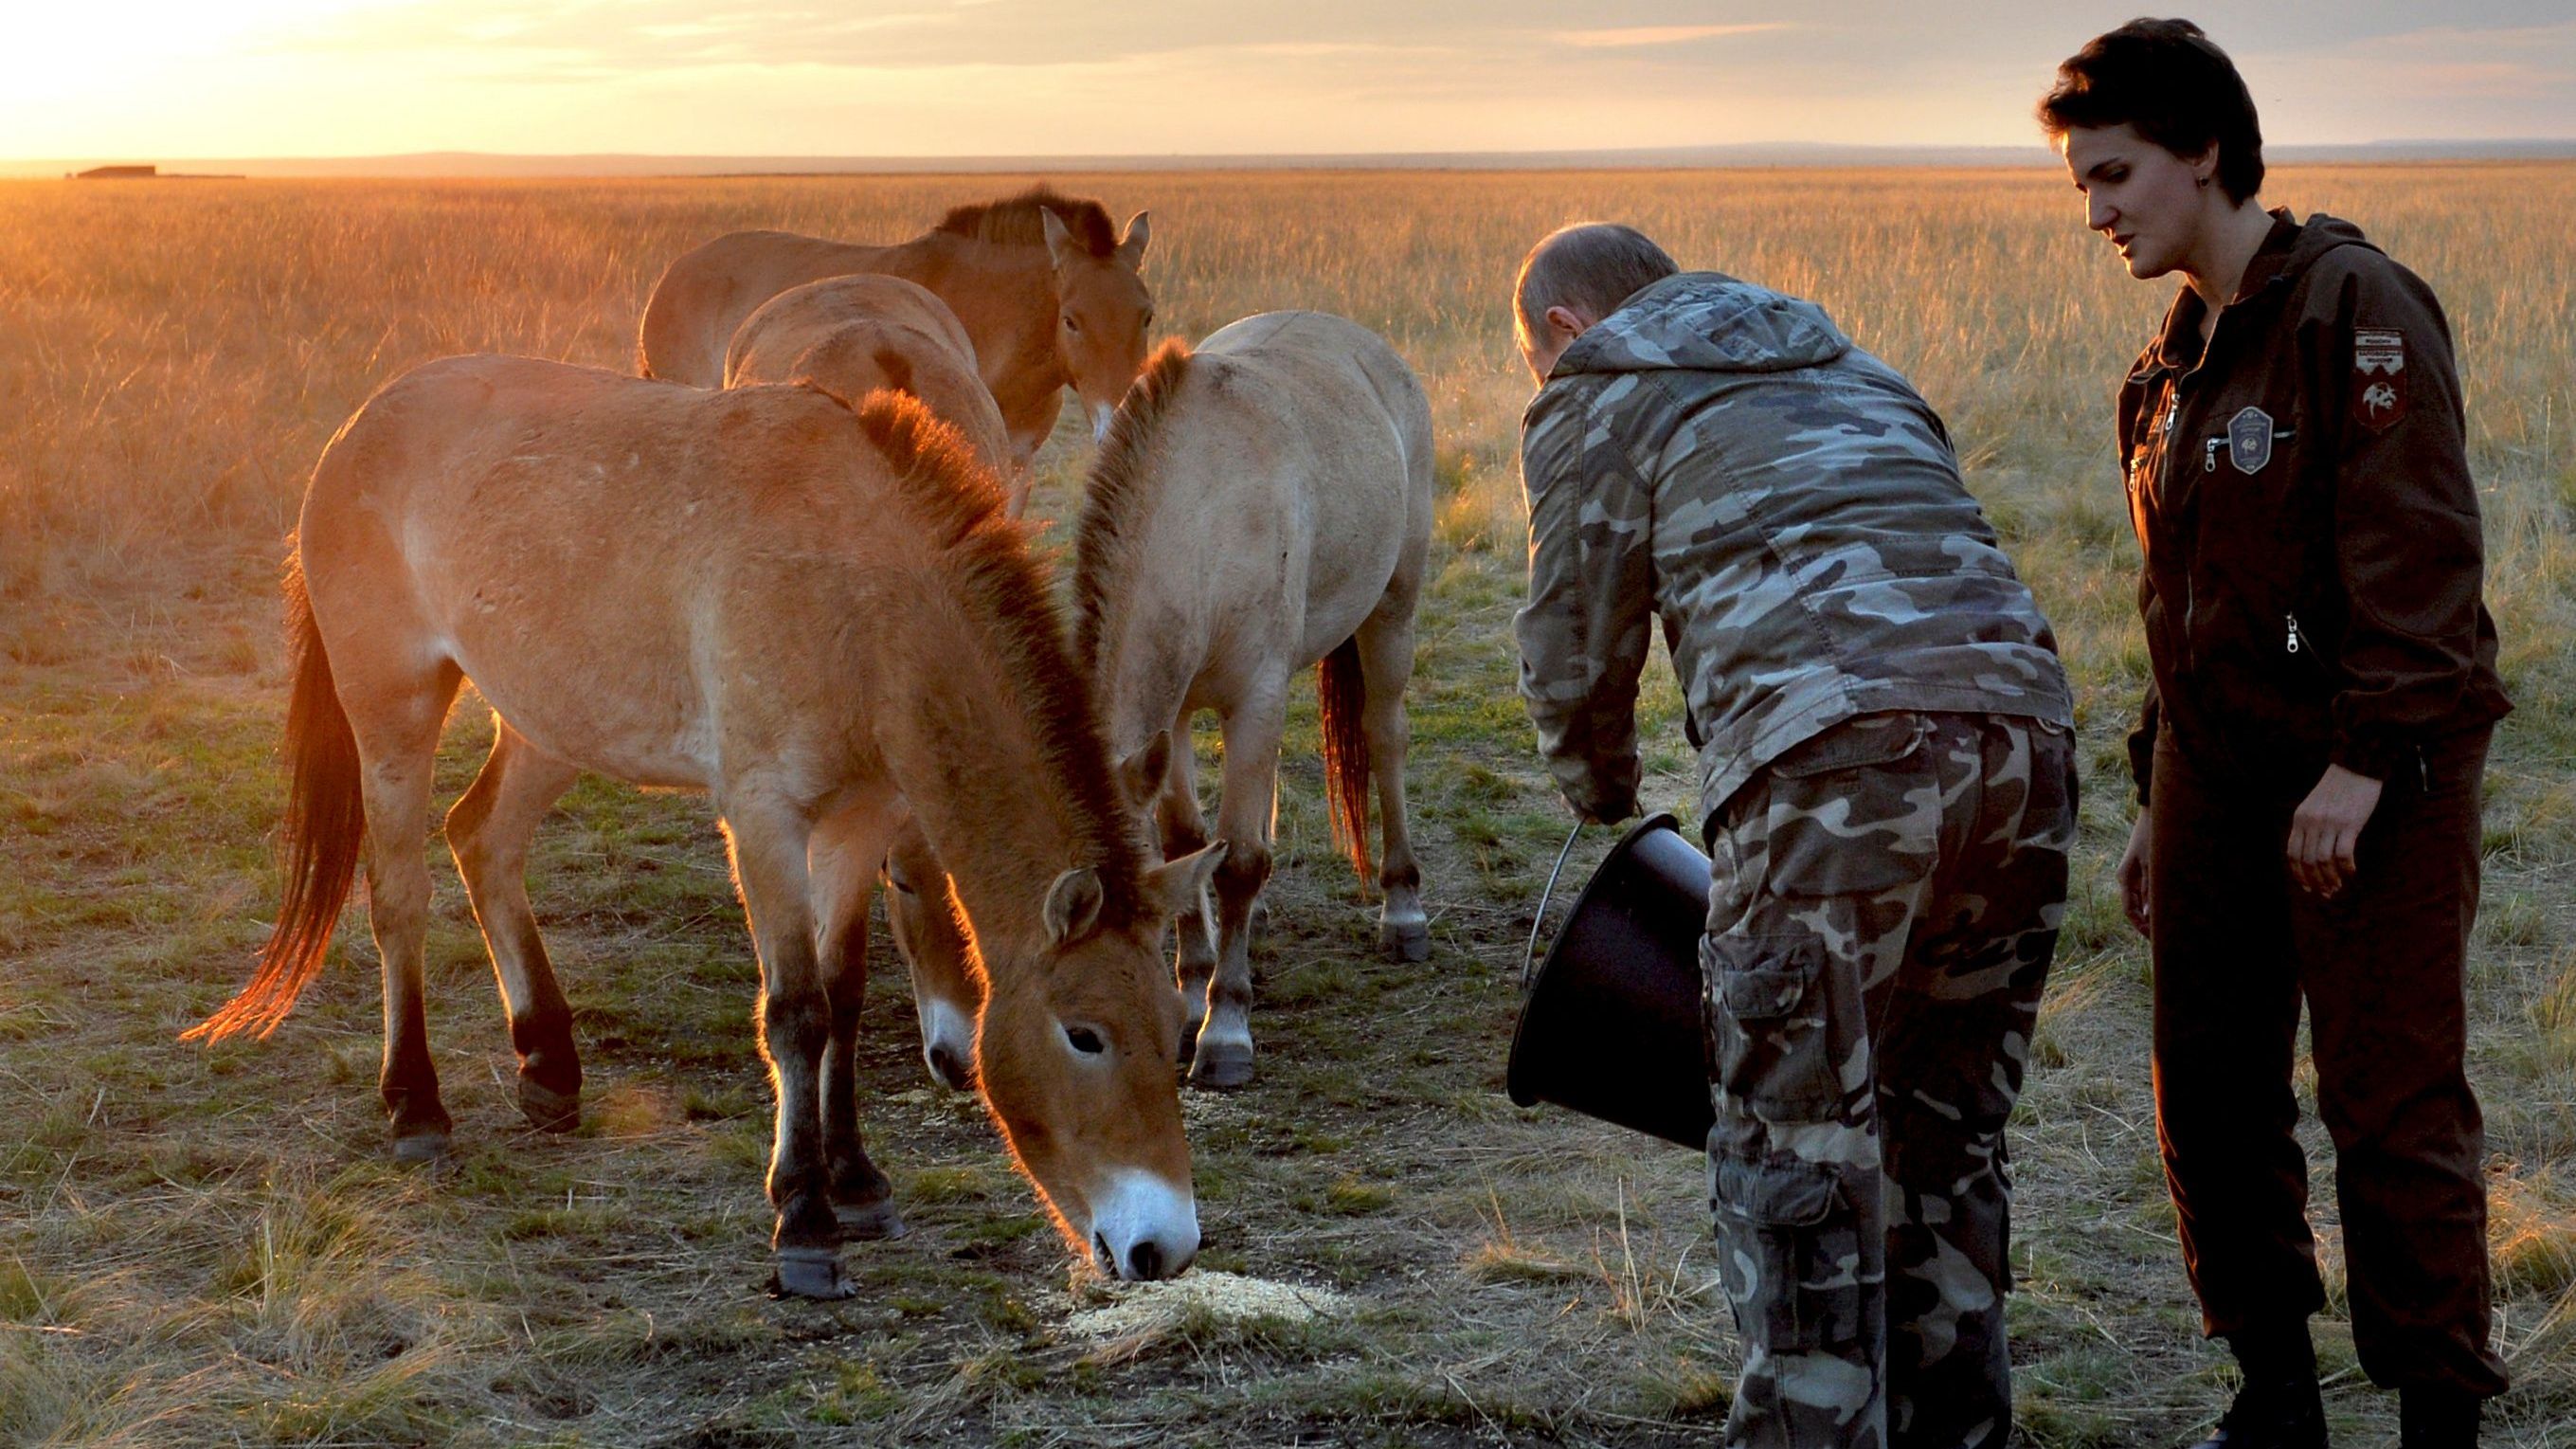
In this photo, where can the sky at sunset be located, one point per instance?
(248, 78)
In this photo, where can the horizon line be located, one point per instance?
(1756, 153)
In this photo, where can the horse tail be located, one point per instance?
(325, 830)
(1341, 694)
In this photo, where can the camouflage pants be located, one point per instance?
(1885, 904)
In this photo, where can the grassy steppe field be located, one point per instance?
(211, 1245)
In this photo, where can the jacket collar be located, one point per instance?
(2178, 345)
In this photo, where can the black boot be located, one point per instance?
(2280, 1406)
(2436, 1419)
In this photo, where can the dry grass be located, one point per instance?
(206, 1246)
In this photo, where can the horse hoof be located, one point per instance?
(1222, 1066)
(546, 1109)
(421, 1148)
(1189, 1042)
(875, 1222)
(1408, 942)
(810, 1273)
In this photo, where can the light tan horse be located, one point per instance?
(1261, 505)
(1048, 290)
(822, 618)
(854, 335)
(851, 336)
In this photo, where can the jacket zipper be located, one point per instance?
(2296, 641)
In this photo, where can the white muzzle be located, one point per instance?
(1143, 1227)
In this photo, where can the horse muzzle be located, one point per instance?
(1144, 1228)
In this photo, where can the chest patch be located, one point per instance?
(2378, 376)
(2249, 440)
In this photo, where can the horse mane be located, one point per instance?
(1016, 220)
(1116, 494)
(961, 510)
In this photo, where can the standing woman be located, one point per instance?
(2309, 753)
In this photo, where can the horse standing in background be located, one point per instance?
(1049, 291)
(821, 617)
(854, 335)
(1260, 505)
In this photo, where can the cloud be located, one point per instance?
(1628, 36)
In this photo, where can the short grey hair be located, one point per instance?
(1593, 265)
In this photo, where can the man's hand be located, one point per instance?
(2132, 875)
(2327, 830)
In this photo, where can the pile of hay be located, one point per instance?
(1149, 1310)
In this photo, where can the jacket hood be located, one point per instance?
(1706, 322)
(2292, 248)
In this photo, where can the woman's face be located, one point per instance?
(2150, 202)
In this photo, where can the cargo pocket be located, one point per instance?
(1769, 1025)
(1791, 1271)
(1854, 811)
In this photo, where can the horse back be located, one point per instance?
(852, 335)
(609, 559)
(708, 291)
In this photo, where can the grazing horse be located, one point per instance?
(821, 617)
(1047, 289)
(1260, 505)
(854, 335)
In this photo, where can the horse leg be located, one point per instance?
(1244, 816)
(921, 915)
(1386, 666)
(767, 839)
(842, 862)
(396, 728)
(488, 832)
(1182, 830)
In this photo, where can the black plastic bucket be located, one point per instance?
(1612, 1026)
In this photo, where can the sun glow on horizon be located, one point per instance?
(162, 80)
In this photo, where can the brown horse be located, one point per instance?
(817, 615)
(851, 336)
(1047, 288)
(1261, 505)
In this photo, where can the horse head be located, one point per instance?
(1103, 311)
(1076, 1050)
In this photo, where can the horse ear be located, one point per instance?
(1060, 247)
(1140, 772)
(1174, 886)
(1131, 247)
(1072, 906)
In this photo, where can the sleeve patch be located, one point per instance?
(2378, 377)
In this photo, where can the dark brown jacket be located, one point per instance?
(2302, 495)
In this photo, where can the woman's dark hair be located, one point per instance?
(2179, 91)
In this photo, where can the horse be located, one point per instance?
(817, 614)
(1261, 504)
(854, 335)
(1050, 293)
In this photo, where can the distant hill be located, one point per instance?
(490, 164)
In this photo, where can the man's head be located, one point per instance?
(1573, 278)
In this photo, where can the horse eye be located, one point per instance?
(1072, 323)
(1084, 1040)
(1149, 317)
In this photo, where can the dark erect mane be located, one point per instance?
(1115, 495)
(960, 508)
(1015, 221)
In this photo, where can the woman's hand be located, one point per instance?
(2327, 830)
(2132, 875)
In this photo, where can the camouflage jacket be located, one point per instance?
(1720, 455)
